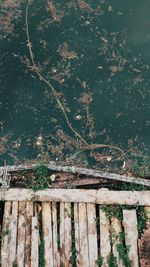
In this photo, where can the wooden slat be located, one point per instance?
(102, 197)
(13, 234)
(21, 235)
(131, 235)
(144, 242)
(35, 243)
(47, 232)
(83, 233)
(56, 254)
(62, 233)
(92, 235)
(67, 230)
(28, 231)
(115, 231)
(5, 239)
(77, 235)
(105, 241)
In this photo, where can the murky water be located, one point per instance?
(96, 56)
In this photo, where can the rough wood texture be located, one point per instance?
(105, 239)
(102, 197)
(56, 254)
(144, 243)
(83, 233)
(47, 232)
(67, 232)
(80, 171)
(92, 235)
(76, 227)
(62, 233)
(21, 235)
(131, 235)
(115, 231)
(28, 231)
(13, 234)
(35, 243)
(6, 237)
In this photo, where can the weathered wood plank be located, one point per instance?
(83, 233)
(105, 239)
(77, 234)
(144, 242)
(131, 235)
(56, 254)
(13, 234)
(102, 197)
(6, 235)
(80, 171)
(28, 231)
(21, 235)
(92, 235)
(35, 243)
(116, 229)
(47, 232)
(62, 234)
(67, 230)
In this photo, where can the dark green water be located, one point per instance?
(96, 55)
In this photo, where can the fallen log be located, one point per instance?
(79, 171)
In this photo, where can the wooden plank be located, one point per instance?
(102, 197)
(6, 235)
(28, 231)
(77, 234)
(21, 235)
(56, 254)
(83, 233)
(67, 233)
(35, 243)
(47, 234)
(105, 240)
(116, 229)
(13, 233)
(92, 235)
(62, 234)
(81, 171)
(131, 235)
(144, 242)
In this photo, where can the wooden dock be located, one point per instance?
(62, 227)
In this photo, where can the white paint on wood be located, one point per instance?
(56, 254)
(76, 228)
(62, 233)
(13, 233)
(67, 229)
(6, 233)
(131, 235)
(92, 235)
(83, 233)
(115, 231)
(21, 235)
(47, 233)
(102, 197)
(35, 243)
(105, 239)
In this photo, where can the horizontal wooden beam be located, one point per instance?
(79, 171)
(102, 196)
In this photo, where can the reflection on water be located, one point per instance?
(96, 57)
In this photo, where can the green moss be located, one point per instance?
(123, 250)
(40, 180)
(111, 260)
(41, 247)
(99, 261)
(112, 211)
(141, 219)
